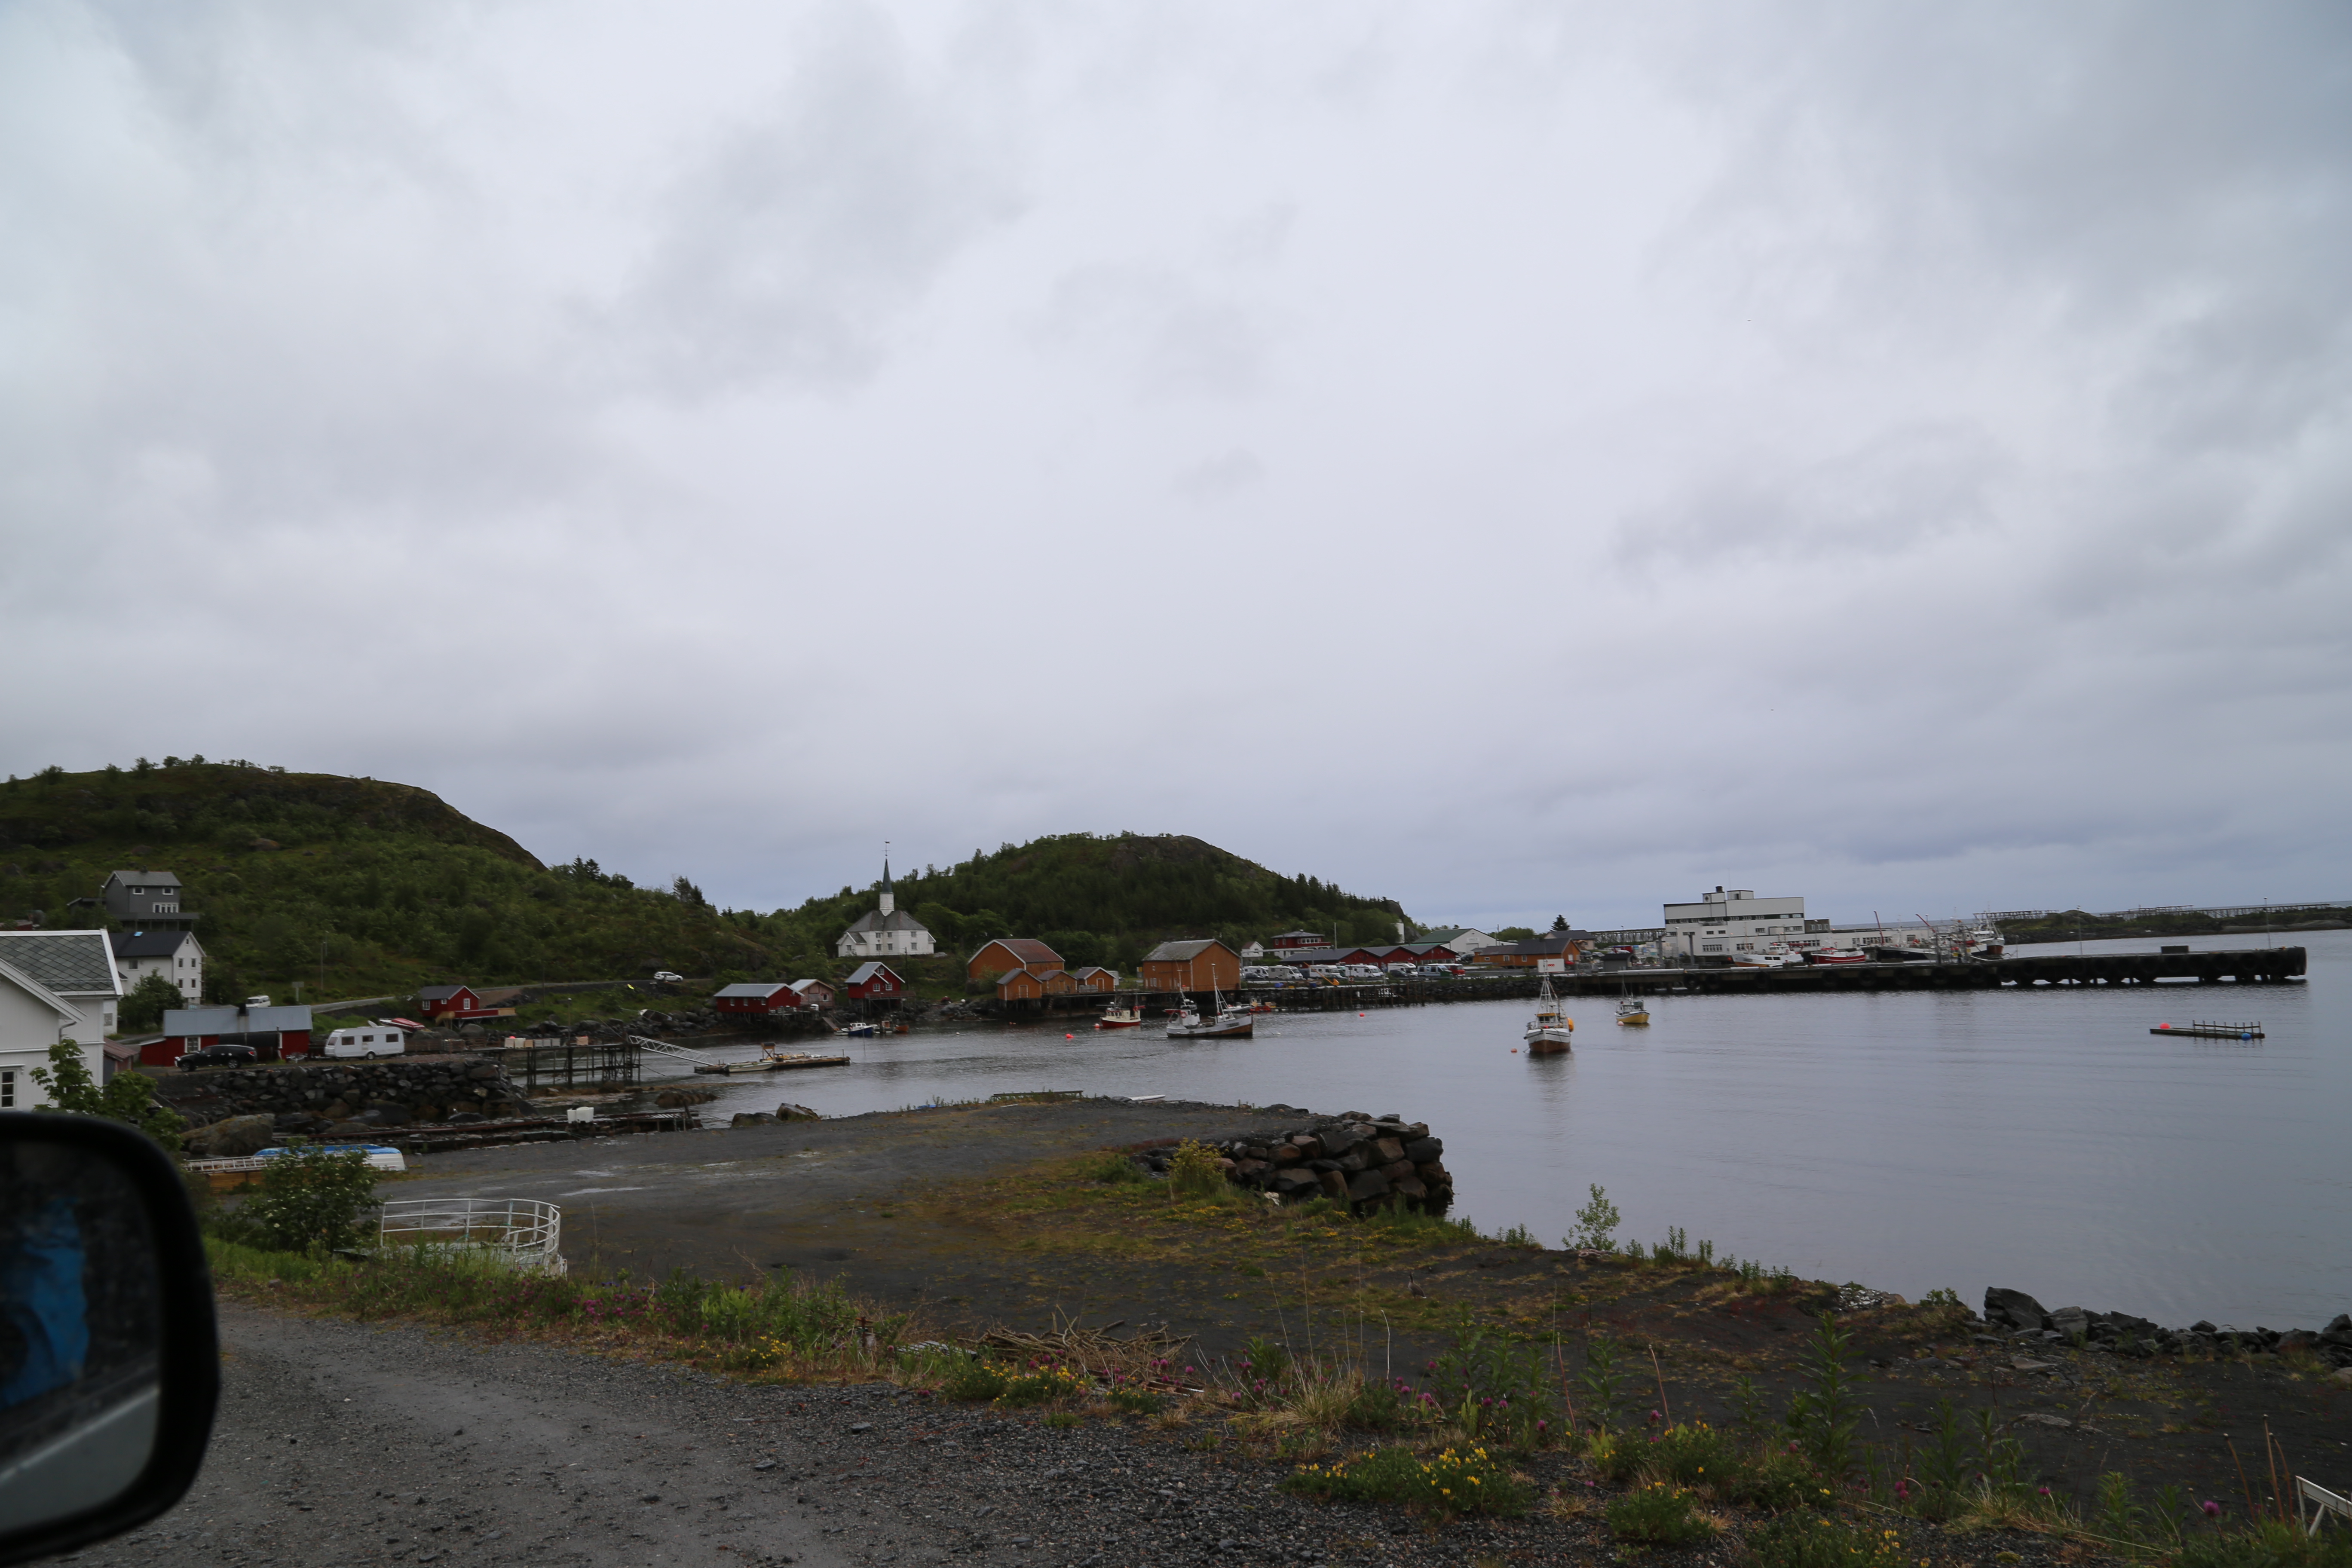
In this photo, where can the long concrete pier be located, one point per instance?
(2241, 966)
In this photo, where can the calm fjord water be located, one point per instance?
(2041, 1140)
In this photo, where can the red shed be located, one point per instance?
(873, 982)
(754, 998)
(440, 1001)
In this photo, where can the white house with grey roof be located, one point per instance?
(889, 931)
(54, 985)
(176, 955)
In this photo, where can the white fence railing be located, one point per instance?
(664, 1047)
(523, 1232)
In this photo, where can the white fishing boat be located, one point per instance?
(1547, 1032)
(1226, 1023)
(1127, 1017)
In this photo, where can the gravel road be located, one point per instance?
(356, 1443)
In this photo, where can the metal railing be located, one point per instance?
(698, 1058)
(524, 1234)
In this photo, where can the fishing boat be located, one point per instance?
(1837, 955)
(1225, 1024)
(1633, 1010)
(862, 1031)
(1126, 1018)
(1773, 956)
(1547, 1032)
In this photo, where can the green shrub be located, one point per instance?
(1458, 1480)
(308, 1200)
(1693, 1455)
(1660, 1514)
(1114, 1169)
(1139, 1401)
(1776, 1479)
(1044, 1385)
(130, 1098)
(1381, 1406)
(977, 1380)
(1195, 1171)
(1815, 1541)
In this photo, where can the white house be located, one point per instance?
(1735, 921)
(54, 985)
(1464, 940)
(176, 955)
(885, 932)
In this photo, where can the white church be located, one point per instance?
(887, 932)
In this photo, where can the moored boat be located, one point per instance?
(1547, 1034)
(1633, 1010)
(1837, 955)
(1226, 1023)
(1120, 1018)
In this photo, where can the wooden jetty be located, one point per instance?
(785, 1063)
(2211, 1031)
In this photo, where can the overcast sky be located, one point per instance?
(1516, 459)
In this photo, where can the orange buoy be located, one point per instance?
(1514, 1050)
(1069, 1036)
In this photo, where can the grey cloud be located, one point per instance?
(790, 249)
(1216, 478)
(1164, 333)
(1902, 489)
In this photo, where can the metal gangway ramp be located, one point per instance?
(698, 1058)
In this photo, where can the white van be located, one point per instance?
(373, 1040)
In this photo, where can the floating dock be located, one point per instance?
(777, 1064)
(2253, 1031)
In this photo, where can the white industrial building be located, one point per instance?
(1724, 923)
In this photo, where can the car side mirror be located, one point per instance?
(109, 1361)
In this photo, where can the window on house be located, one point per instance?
(8, 1088)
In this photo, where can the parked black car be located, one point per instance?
(218, 1057)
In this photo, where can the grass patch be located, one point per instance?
(1815, 1541)
(1660, 1514)
(1453, 1481)
(775, 1327)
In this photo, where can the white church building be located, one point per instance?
(887, 932)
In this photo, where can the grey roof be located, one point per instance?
(145, 879)
(866, 971)
(897, 919)
(1549, 944)
(150, 943)
(1093, 969)
(233, 1020)
(753, 988)
(442, 992)
(1177, 951)
(69, 962)
(802, 985)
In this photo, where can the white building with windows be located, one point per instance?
(54, 985)
(889, 931)
(176, 955)
(1724, 923)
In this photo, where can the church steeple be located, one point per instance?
(890, 899)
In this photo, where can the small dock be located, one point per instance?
(2208, 1031)
(776, 1063)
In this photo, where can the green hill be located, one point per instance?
(1108, 901)
(359, 887)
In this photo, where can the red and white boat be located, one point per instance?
(1120, 1018)
(1837, 955)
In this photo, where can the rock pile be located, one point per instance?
(2126, 1335)
(1364, 1162)
(787, 1111)
(341, 1099)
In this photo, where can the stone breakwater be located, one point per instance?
(371, 1096)
(1363, 1162)
(2120, 1333)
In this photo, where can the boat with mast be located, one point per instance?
(1547, 1032)
(1226, 1023)
(1634, 1010)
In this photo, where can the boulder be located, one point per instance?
(2073, 1323)
(1386, 1150)
(1338, 1141)
(753, 1119)
(1292, 1184)
(235, 1137)
(1409, 1188)
(1367, 1184)
(383, 1116)
(2339, 1324)
(1425, 1150)
(1287, 1155)
(1334, 1186)
(1398, 1170)
(2013, 1308)
(785, 1112)
(1309, 1146)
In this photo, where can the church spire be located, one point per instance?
(889, 900)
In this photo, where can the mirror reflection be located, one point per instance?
(78, 1333)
